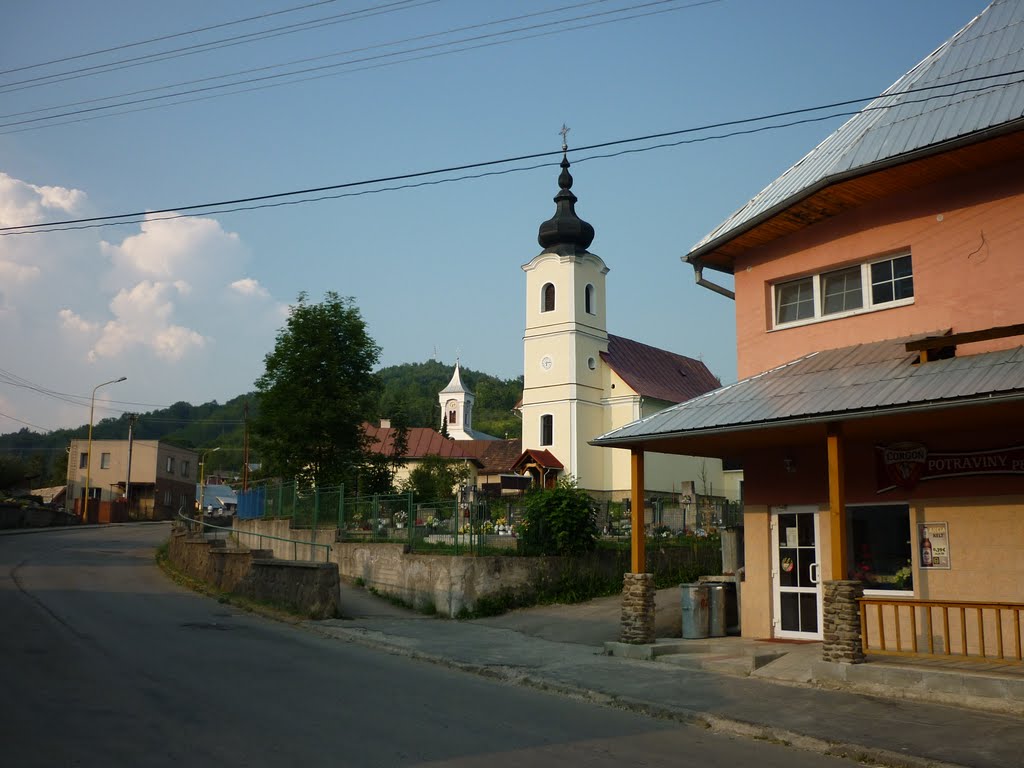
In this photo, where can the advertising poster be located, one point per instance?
(933, 540)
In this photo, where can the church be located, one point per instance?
(580, 381)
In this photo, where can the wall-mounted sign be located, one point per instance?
(933, 545)
(904, 465)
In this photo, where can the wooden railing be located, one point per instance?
(941, 629)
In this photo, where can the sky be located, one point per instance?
(186, 308)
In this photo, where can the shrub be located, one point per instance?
(559, 521)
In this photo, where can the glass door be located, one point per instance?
(796, 573)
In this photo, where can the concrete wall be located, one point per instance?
(309, 588)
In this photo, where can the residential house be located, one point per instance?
(153, 480)
(880, 409)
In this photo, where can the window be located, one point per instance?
(104, 461)
(184, 501)
(83, 460)
(548, 297)
(588, 300)
(842, 291)
(880, 546)
(170, 466)
(547, 428)
(185, 467)
(167, 498)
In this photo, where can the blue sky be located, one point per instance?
(187, 308)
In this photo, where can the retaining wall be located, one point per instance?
(311, 589)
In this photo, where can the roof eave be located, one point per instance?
(826, 181)
(813, 419)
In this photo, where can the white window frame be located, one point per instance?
(170, 465)
(543, 297)
(105, 460)
(816, 288)
(910, 524)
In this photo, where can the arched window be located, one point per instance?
(547, 429)
(548, 298)
(588, 300)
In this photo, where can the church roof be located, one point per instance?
(966, 90)
(565, 231)
(455, 386)
(544, 459)
(423, 441)
(658, 373)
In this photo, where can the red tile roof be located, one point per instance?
(543, 458)
(423, 441)
(657, 373)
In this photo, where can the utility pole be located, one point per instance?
(245, 447)
(128, 480)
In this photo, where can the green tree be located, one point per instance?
(559, 521)
(435, 479)
(12, 472)
(317, 389)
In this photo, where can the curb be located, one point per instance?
(716, 723)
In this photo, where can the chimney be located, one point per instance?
(385, 423)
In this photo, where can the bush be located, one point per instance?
(559, 521)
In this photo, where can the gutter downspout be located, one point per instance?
(698, 274)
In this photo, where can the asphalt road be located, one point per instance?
(106, 662)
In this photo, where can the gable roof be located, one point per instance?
(544, 459)
(496, 456)
(423, 441)
(657, 373)
(955, 107)
(864, 379)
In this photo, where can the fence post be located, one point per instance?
(341, 508)
(410, 520)
(280, 500)
(316, 519)
(295, 497)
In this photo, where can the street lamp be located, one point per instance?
(88, 450)
(202, 483)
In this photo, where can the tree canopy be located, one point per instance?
(317, 389)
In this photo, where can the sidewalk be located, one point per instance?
(562, 649)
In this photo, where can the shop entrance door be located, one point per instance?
(796, 573)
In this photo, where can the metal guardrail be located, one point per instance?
(201, 525)
(977, 629)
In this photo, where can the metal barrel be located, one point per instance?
(695, 611)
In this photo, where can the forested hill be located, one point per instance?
(411, 387)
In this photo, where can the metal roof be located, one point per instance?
(833, 384)
(956, 106)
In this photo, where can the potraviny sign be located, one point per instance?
(904, 465)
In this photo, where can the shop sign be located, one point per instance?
(904, 465)
(933, 540)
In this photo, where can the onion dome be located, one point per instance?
(565, 228)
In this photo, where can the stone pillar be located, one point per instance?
(637, 608)
(841, 622)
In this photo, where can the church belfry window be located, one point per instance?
(588, 300)
(547, 429)
(548, 298)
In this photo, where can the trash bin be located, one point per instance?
(716, 610)
(695, 611)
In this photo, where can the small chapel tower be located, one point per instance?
(566, 334)
(457, 407)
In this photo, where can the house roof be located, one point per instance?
(967, 90)
(496, 456)
(423, 441)
(657, 373)
(864, 379)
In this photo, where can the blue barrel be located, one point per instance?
(695, 611)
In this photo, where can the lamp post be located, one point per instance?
(202, 483)
(88, 450)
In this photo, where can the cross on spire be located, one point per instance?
(565, 133)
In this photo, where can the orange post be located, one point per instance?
(837, 502)
(639, 559)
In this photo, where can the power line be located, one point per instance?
(350, 64)
(261, 201)
(301, 61)
(149, 58)
(26, 423)
(164, 37)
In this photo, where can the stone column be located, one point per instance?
(637, 608)
(841, 622)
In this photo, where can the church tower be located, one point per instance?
(566, 333)
(457, 407)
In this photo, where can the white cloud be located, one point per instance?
(185, 250)
(11, 272)
(247, 286)
(74, 322)
(23, 203)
